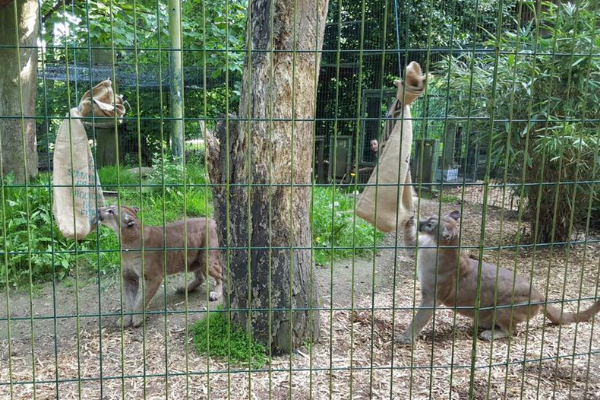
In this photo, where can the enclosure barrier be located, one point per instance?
(269, 116)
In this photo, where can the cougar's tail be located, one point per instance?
(554, 314)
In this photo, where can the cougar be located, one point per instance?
(157, 241)
(497, 282)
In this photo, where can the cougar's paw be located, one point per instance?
(181, 290)
(137, 321)
(490, 335)
(126, 321)
(403, 340)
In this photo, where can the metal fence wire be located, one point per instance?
(251, 131)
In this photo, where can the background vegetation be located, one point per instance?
(163, 196)
(535, 100)
(531, 90)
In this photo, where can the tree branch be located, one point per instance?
(54, 8)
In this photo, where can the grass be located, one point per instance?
(444, 198)
(162, 193)
(42, 250)
(336, 230)
(161, 198)
(112, 175)
(215, 337)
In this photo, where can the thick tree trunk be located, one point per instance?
(272, 220)
(18, 68)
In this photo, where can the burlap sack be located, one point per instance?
(77, 191)
(379, 204)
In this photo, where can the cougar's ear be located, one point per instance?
(455, 215)
(135, 209)
(397, 82)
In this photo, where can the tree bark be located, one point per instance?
(176, 75)
(276, 273)
(18, 81)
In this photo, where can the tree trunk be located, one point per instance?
(176, 74)
(18, 81)
(106, 149)
(272, 220)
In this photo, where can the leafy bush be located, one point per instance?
(32, 238)
(542, 89)
(170, 173)
(578, 155)
(216, 337)
(54, 257)
(335, 226)
(164, 198)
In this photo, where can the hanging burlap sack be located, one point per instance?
(392, 197)
(77, 191)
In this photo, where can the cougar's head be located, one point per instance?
(125, 219)
(444, 231)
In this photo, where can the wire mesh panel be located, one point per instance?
(182, 184)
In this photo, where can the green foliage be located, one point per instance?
(577, 155)
(334, 224)
(216, 337)
(163, 196)
(46, 246)
(213, 27)
(33, 238)
(543, 85)
(213, 40)
(113, 175)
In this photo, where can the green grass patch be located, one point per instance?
(336, 230)
(163, 197)
(444, 198)
(112, 175)
(215, 337)
(47, 255)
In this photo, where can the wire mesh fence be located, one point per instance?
(211, 246)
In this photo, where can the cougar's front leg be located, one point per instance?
(410, 236)
(151, 285)
(131, 284)
(423, 316)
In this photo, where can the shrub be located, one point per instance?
(335, 226)
(32, 238)
(542, 89)
(167, 196)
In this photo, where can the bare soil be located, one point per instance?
(356, 356)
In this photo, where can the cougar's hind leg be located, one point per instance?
(198, 279)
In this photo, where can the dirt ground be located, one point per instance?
(356, 356)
